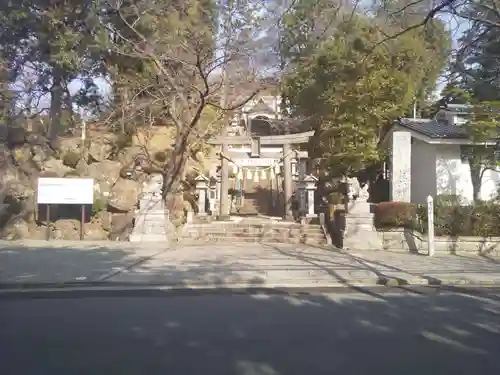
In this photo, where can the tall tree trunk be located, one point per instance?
(172, 172)
(476, 175)
(56, 102)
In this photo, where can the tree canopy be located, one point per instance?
(351, 91)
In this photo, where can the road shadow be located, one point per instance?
(38, 262)
(120, 264)
(253, 334)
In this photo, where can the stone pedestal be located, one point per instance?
(309, 185)
(213, 195)
(201, 189)
(151, 222)
(360, 233)
(302, 200)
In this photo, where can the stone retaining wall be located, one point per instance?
(407, 240)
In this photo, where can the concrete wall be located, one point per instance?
(408, 241)
(453, 175)
(450, 176)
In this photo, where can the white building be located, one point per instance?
(427, 158)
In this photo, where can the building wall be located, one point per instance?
(490, 184)
(453, 175)
(423, 179)
(439, 170)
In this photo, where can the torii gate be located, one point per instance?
(285, 141)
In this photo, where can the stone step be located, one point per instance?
(249, 234)
(256, 228)
(253, 239)
(255, 232)
(273, 225)
(259, 235)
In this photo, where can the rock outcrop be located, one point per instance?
(118, 167)
(124, 195)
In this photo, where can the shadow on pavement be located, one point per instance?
(51, 264)
(252, 334)
(73, 266)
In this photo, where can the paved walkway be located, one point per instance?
(31, 264)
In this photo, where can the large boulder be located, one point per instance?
(36, 139)
(124, 196)
(99, 150)
(22, 153)
(41, 152)
(16, 184)
(55, 167)
(17, 229)
(105, 174)
(121, 226)
(95, 232)
(127, 156)
(16, 136)
(103, 219)
(70, 144)
(66, 229)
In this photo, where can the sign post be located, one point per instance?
(47, 218)
(65, 191)
(82, 221)
(430, 226)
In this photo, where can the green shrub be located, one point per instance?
(450, 219)
(447, 200)
(481, 219)
(71, 159)
(99, 205)
(395, 215)
(160, 156)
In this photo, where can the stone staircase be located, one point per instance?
(151, 224)
(249, 206)
(256, 230)
(258, 200)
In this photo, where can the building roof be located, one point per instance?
(261, 106)
(458, 108)
(433, 128)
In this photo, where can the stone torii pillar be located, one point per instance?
(285, 141)
(287, 175)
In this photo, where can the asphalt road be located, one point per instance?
(332, 333)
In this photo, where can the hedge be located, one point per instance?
(389, 215)
(481, 219)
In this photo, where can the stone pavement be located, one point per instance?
(114, 264)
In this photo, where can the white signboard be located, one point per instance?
(65, 191)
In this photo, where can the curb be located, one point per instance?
(382, 281)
